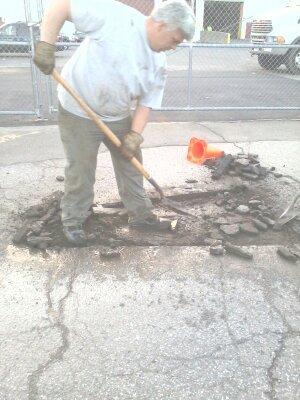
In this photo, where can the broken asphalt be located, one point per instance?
(158, 322)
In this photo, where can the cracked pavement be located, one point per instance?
(159, 322)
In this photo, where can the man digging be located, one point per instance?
(121, 61)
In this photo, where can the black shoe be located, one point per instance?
(75, 235)
(151, 222)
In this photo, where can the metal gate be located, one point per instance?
(201, 76)
(21, 88)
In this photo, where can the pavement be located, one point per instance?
(159, 322)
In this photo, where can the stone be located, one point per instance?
(20, 236)
(295, 249)
(220, 202)
(255, 213)
(230, 229)
(37, 227)
(110, 253)
(251, 177)
(212, 242)
(217, 250)
(296, 227)
(259, 225)
(267, 220)
(262, 207)
(42, 246)
(191, 181)
(221, 221)
(242, 162)
(214, 234)
(40, 242)
(249, 229)
(34, 212)
(251, 169)
(46, 234)
(254, 203)
(60, 178)
(113, 243)
(50, 213)
(232, 202)
(242, 209)
(238, 251)
(278, 175)
(57, 249)
(263, 172)
(228, 220)
(285, 253)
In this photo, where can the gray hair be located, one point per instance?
(176, 14)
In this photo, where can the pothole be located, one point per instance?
(242, 216)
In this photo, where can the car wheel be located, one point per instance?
(293, 61)
(269, 62)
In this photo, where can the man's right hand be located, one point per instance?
(44, 57)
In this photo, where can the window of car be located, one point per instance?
(8, 30)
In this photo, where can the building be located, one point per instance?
(224, 16)
(144, 6)
(2, 22)
(230, 16)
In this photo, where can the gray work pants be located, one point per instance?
(81, 139)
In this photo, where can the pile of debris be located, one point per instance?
(39, 219)
(246, 166)
(245, 217)
(252, 219)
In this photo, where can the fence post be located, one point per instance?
(190, 76)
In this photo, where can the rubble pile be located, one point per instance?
(253, 218)
(224, 220)
(246, 166)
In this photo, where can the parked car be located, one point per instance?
(63, 38)
(281, 27)
(15, 38)
(78, 37)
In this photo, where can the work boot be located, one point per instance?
(150, 222)
(75, 235)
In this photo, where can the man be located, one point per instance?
(121, 61)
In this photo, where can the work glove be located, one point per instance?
(44, 57)
(131, 144)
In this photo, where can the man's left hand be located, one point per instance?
(131, 143)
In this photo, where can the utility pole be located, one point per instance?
(199, 12)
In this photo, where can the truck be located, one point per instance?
(281, 27)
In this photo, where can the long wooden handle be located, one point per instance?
(101, 125)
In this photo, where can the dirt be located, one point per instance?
(40, 226)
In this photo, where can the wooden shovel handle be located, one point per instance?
(101, 125)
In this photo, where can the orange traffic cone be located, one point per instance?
(199, 151)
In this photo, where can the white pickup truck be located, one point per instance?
(281, 27)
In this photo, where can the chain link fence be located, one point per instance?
(218, 71)
(17, 90)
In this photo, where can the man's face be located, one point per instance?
(162, 39)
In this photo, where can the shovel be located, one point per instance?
(289, 214)
(166, 203)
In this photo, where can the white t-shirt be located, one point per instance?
(114, 65)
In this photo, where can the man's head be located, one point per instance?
(169, 24)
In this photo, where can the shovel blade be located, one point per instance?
(174, 206)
